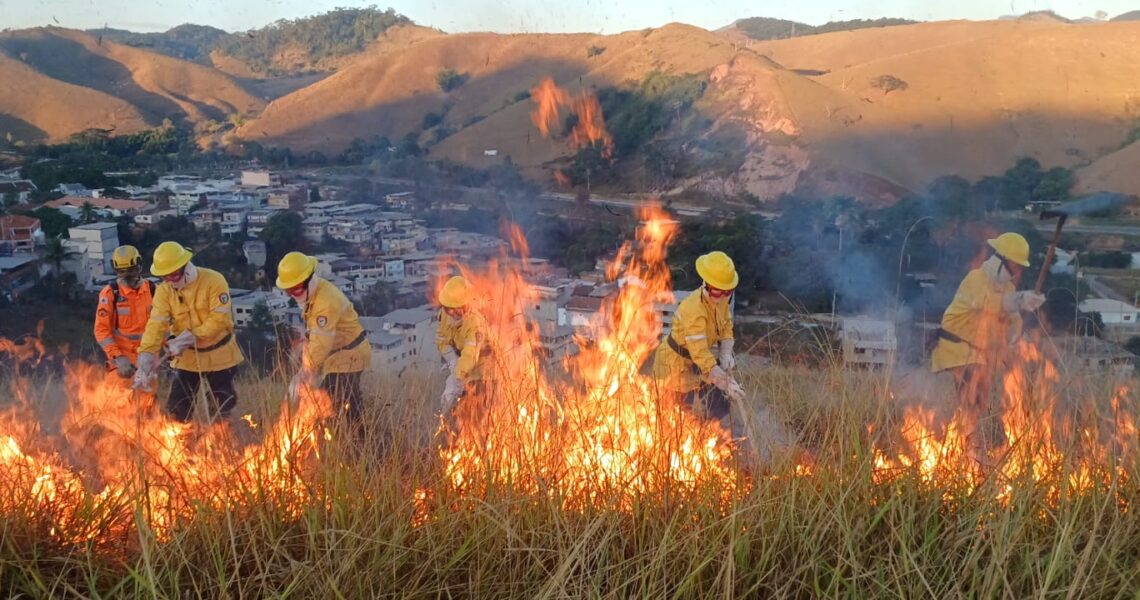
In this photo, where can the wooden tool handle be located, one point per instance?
(1049, 255)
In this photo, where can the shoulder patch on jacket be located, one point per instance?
(102, 312)
(223, 298)
(322, 321)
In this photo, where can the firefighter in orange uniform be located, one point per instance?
(122, 313)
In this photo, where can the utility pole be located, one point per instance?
(833, 290)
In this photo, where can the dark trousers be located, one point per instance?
(982, 423)
(344, 390)
(184, 390)
(707, 401)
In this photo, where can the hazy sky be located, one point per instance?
(604, 16)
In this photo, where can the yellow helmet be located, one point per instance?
(125, 257)
(294, 269)
(168, 258)
(717, 270)
(454, 293)
(1012, 247)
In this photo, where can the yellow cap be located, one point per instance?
(294, 269)
(717, 270)
(168, 258)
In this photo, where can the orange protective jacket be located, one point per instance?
(121, 317)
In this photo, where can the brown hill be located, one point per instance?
(977, 95)
(899, 105)
(1116, 172)
(79, 81)
(389, 90)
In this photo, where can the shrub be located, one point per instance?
(888, 83)
(450, 79)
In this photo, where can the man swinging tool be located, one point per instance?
(979, 325)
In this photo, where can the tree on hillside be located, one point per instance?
(988, 192)
(888, 83)
(335, 33)
(954, 196)
(1054, 185)
(449, 79)
(1020, 181)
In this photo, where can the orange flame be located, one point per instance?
(1031, 452)
(591, 127)
(606, 436)
(144, 463)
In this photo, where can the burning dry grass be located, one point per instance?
(581, 479)
(838, 531)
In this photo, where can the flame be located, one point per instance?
(1035, 452)
(561, 178)
(590, 129)
(605, 436)
(125, 458)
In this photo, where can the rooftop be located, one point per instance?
(103, 203)
(96, 226)
(1105, 305)
(410, 316)
(11, 263)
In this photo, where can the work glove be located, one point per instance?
(180, 343)
(725, 383)
(450, 358)
(146, 373)
(727, 358)
(1024, 301)
(452, 390)
(303, 379)
(124, 367)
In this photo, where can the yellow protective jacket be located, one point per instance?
(337, 343)
(203, 308)
(697, 325)
(121, 318)
(465, 336)
(977, 317)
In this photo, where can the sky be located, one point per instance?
(520, 16)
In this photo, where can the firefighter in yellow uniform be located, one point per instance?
(685, 363)
(123, 311)
(337, 345)
(980, 324)
(192, 304)
(460, 341)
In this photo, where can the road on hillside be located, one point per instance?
(1099, 288)
(1050, 226)
(680, 207)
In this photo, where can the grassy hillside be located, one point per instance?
(187, 42)
(75, 81)
(764, 28)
